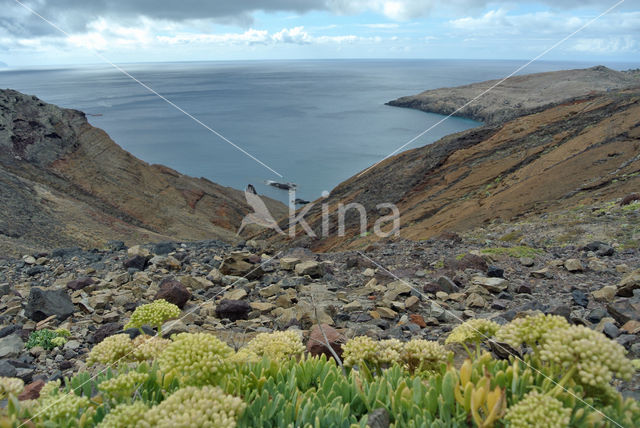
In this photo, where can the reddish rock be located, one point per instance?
(631, 197)
(31, 391)
(173, 292)
(317, 344)
(80, 283)
(417, 320)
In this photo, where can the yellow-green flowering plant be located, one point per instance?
(153, 314)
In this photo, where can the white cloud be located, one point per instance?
(295, 35)
(607, 45)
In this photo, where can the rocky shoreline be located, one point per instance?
(398, 289)
(519, 95)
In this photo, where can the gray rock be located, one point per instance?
(44, 303)
(447, 285)
(11, 346)
(379, 418)
(7, 370)
(610, 330)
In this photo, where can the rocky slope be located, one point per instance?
(576, 152)
(519, 95)
(401, 290)
(66, 183)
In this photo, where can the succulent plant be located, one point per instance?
(154, 314)
(196, 359)
(113, 349)
(124, 384)
(147, 348)
(195, 407)
(47, 339)
(473, 331)
(539, 411)
(124, 415)
(585, 356)
(424, 356)
(279, 345)
(10, 386)
(529, 330)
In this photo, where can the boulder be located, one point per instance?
(31, 391)
(80, 283)
(136, 262)
(629, 283)
(573, 265)
(311, 268)
(605, 294)
(623, 310)
(495, 285)
(233, 310)
(240, 263)
(42, 304)
(317, 345)
(11, 346)
(173, 292)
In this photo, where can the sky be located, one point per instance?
(191, 30)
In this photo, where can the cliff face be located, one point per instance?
(65, 183)
(519, 95)
(580, 151)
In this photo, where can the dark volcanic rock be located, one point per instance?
(623, 310)
(495, 272)
(44, 303)
(173, 292)
(163, 248)
(580, 298)
(6, 369)
(80, 283)
(105, 331)
(233, 309)
(136, 262)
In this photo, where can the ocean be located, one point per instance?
(316, 122)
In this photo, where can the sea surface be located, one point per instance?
(316, 122)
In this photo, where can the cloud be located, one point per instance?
(606, 45)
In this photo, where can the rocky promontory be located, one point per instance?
(518, 95)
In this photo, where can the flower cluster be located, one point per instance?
(195, 407)
(473, 331)
(358, 350)
(530, 330)
(389, 351)
(538, 410)
(124, 383)
(196, 358)
(62, 407)
(416, 355)
(124, 415)
(588, 356)
(277, 346)
(148, 347)
(424, 355)
(111, 350)
(153, 314)
(10, 386)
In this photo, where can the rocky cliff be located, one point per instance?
(65, 183)
(584, 150)
(519, 95)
